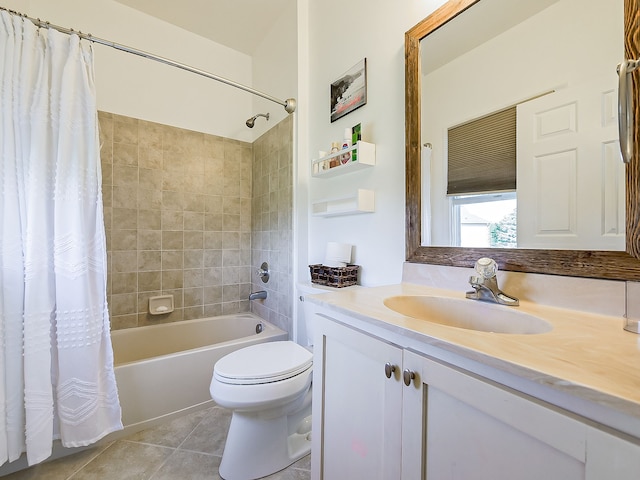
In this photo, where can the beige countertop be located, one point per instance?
(587, 356)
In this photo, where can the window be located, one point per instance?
(484, 220)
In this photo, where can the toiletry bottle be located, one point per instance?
(346, 144)
(356, 136)
(335, 148)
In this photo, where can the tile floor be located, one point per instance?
(188, 448)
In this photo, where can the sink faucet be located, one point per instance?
(485, 284)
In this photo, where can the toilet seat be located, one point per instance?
(263, 363)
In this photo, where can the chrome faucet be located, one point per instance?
(261, 295)
(485, 285)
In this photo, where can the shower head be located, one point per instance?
(252, 120)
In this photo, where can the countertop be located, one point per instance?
(586, 357)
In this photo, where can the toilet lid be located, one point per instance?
(263, 363)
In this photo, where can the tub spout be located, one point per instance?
(261, 295)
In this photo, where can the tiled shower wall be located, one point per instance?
(272, 224)
(178, 220)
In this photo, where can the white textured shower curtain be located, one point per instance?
(56, 362)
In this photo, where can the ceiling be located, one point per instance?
(237, 24)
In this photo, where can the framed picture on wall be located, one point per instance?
(349, 91)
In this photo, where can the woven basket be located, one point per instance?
(337, 277)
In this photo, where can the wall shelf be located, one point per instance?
(363, 201)
(365, 154)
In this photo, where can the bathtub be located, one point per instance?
(163, 371)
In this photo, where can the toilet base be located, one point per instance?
(258, 444)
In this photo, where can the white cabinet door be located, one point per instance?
(356, 408)
(475, 430)
(611, 457)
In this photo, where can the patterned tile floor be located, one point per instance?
(188, 447)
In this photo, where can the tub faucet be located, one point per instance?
(261, 295)
(485, 284)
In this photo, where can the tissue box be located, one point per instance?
(337, 277)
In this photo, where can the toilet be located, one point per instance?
(268, 387)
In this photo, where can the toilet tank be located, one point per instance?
(306, 312)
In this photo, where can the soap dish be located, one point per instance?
(161, 304)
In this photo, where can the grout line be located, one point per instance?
(126, 440)
(94, 457)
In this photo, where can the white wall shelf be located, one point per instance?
(363, 201)
(364, 153)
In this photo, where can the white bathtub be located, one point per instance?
(164, 370)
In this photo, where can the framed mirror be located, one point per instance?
(621, 265)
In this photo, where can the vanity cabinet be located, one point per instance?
(472, 428)
(447, 423)
(357, 412)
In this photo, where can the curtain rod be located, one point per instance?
(289, 104)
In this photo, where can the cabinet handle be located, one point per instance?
(389, 369)
(408, 375)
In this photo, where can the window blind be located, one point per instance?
(482, 154)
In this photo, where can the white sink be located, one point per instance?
(469, 314)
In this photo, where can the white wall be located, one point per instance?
(141, 88)
(275, 64)
(339, 35)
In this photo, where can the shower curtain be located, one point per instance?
(56, 362)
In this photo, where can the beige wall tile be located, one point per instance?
(172, 279)
(172, 240)
(125, 240)
(149, 240)
(194, 221)
(124, 282)
(213, 310)
(149, 281)
(193, 240)
(213, 240)
(172, 260)
(123, 304)
(149, 260)
(191, 313)
(213, 258)
(125, 130)
(149, 134)
(212, 294)
(172, 200)
(124, 196)
(119, 322)
(150, 158)
(124, 261)
(175, 204)
(194, 202)
(213, 204)
(212, 276)
(149, 199)
(149, 219)
(150, 179)
(124, 219)
(125, 154)
(193, 259)
(193, 297)
(193, 278)
(213, 147)
(172, 220)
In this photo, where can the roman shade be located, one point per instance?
(482, 154)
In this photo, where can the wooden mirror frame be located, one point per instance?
(578, 263)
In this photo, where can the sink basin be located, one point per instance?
(468, 314)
